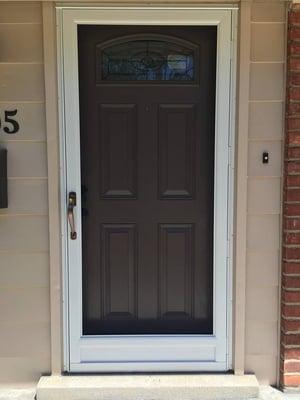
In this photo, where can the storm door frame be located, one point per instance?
(81, 353)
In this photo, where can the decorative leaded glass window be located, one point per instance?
(147, 58)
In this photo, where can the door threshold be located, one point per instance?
(148, 387)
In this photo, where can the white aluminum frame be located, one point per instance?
(126, 353)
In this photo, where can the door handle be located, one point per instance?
(71, 219)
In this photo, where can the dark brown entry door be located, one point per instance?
(147, 161)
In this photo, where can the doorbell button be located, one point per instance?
(265, 157)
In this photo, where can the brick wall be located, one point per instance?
(290, 309)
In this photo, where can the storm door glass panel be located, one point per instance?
(147, 60)
(147, 174)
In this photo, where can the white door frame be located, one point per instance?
(148, 352)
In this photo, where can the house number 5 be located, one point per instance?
(9, 125)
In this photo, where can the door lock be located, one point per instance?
(71, 219)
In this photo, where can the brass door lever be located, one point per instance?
(71, 219)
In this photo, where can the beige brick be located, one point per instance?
(268, 338)
(266, 120)
(24, 234)
(20, 82)
(264, 195)
(27, 196)
(262, 303)
(20, 370)
(24, 270)
(35, 341)
(28, 49)
(24, 305)
(26, 159)
(265, 367)
(263, 232)
(267, 42)
(17, 12)
(266, 81)
(262, 267)
(268, 11)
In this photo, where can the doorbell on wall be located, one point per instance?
(265, 157)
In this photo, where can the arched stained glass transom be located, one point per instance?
(155, 58)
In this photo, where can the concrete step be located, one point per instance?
(17, 393)
(148, 387)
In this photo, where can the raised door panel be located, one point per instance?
(176, 270)
(177, 128)
(118, 284)
(118, 162)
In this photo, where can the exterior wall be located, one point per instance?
(266, 105)
(24, 257)
(290, 334)
(24, 248)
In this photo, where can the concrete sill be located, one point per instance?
(148, 387)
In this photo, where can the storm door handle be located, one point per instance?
(71, 219)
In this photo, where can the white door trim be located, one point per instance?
(139, 352)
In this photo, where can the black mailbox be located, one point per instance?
(3, 178)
